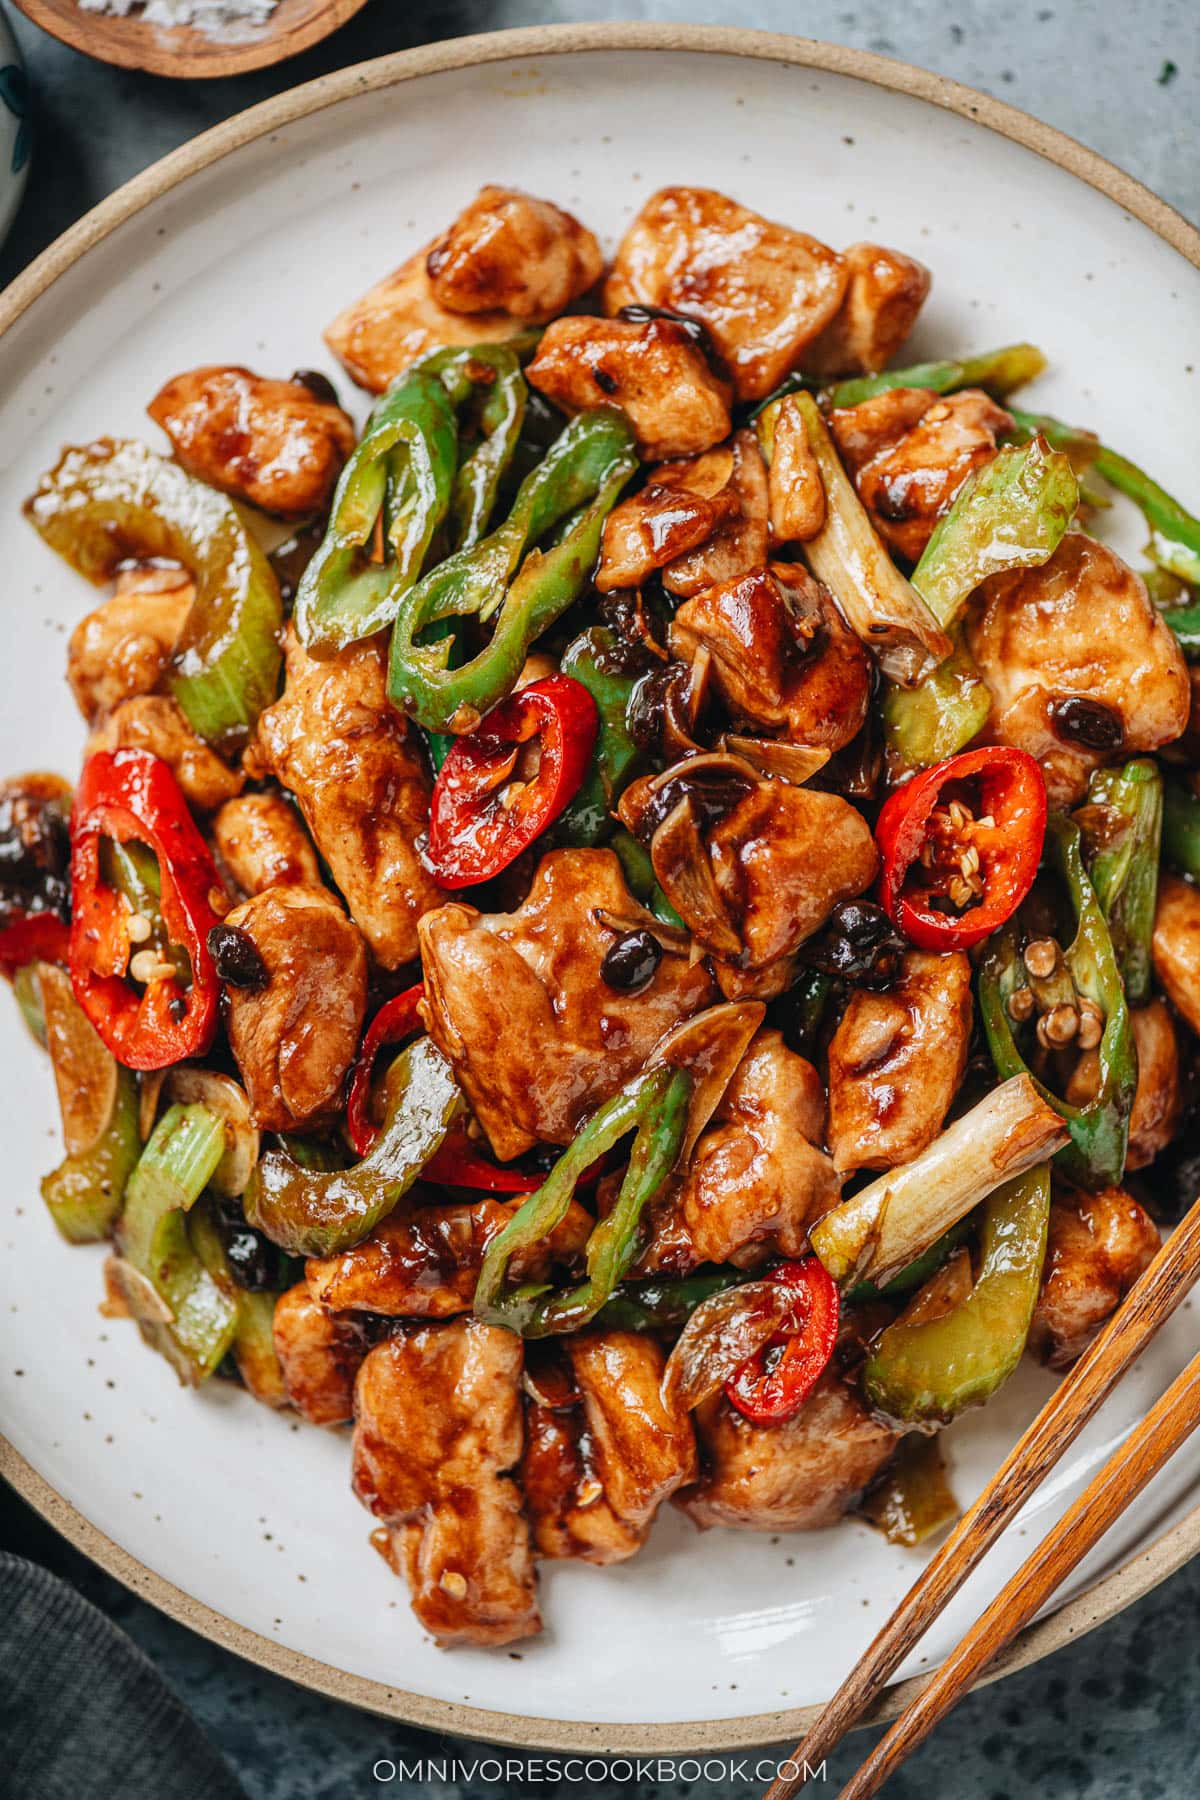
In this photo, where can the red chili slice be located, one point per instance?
(773, 1384)
(457, 1163)
(130, 795)
(933, 845)
(33, 937)
(483, 812)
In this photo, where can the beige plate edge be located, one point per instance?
(1126, 1583)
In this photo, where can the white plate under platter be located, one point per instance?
(240, 248)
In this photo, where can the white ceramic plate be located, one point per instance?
(240, 249)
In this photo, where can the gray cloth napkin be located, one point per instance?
(83, 1714)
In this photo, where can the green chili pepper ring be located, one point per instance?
(507, 576)
(655, 1105)
(1095, 1157)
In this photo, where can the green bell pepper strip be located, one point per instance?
(496, 406)
(1124, 867)
(409, 468)
(114, 500)
(173, 1171)
(1099, 1132)
(929, 1372)
(85, 1193)
(589, 818)
(1010, 514)
(665, 1304)
(1181, 828)
(253, 1346)
(403, 471)
(640, 878)
(1174, 531)
(919, 1270)
(999, 372)
(655, 1106)
(313, 1212)
(505, 575)
(934, 720)
(1184, 621)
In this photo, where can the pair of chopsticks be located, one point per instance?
(1149, 1303)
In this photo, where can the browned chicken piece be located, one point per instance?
(295, 1037)
(910, 451)
(602, 1449)
(1176, 946)
(154, 722)
(885, 292)
(783, 660)
(507, 252)
(896, 1061)
(424, 1262)
(1098, 1246)
(652, 369)
(1082, 669)
(758, 1178)
(795, 489)
(319, 1357)
(262, 844)
(740, 541)
(796, 1476)
(274, 444)
(437, 1432)
(763, 291)
(357, 770)
(783, 858)
(122, 648)
(378, 336)
(681, 507)
(517, 1002)
(1156, 1101)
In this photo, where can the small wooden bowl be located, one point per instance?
(182, 51)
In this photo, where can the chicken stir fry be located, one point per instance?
(659, 926)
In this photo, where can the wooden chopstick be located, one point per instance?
(1151, 1300)
(1119, 1482)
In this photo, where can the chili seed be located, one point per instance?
(629, 965)
(1058, 1027)
(1041, 958)
(1021, 1004)
(148, 965)
(1087, 722)
(1091, 1025)
(318, 385)
(237, 957)
(139, 928)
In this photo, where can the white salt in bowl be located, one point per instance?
(182, 50)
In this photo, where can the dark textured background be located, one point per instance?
(1113, 1715)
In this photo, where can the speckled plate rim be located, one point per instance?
(1133, 1578)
